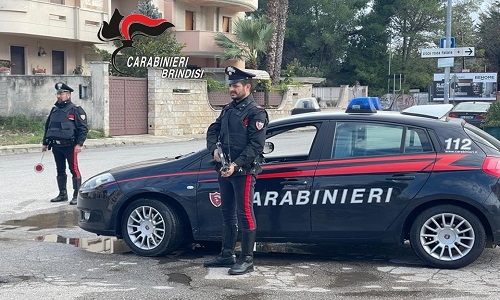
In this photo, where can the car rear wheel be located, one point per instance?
(447, 237)
(151, 228)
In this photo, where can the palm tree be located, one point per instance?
(277, 12)
(252, 36)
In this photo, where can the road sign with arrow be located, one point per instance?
(448, 52)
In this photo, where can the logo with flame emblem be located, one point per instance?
(215, 199)
(126, 28)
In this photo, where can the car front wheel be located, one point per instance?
(151, 228)
(447, 237)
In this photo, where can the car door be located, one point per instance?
(281, 202)
(374, 170)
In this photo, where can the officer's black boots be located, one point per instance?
(245, 260)
(77, 182)
(226, 258)
(63, 194)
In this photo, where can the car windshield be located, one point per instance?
(477, 106)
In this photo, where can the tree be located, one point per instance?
(162, 45)
(414, 25)
(465, 33)
(276, 14)
(369, 53)
(319, 33)
(252, 36)
(489, 31)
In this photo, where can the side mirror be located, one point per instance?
(268, 147)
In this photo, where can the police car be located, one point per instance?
(359, 175)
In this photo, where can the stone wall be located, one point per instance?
(175, 106)
(181, 106)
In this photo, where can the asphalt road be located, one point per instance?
(44, 255)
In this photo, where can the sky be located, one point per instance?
(483, 8)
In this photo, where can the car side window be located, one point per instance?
(303, 136)
(416, 141)
(371, 139)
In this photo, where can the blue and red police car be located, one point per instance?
(359, 175)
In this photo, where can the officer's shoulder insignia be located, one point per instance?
(259, 125)
(82, 117)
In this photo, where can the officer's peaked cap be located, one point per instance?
(61, 87)
(235, 74)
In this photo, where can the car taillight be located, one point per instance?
(491, 165)
(480, 117)
(452, 115)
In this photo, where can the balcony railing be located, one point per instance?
(234, 5)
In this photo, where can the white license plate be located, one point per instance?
(467, 117)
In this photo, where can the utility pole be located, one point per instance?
(448, 44)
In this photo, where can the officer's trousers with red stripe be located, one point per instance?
(236, 194)
(63, 154)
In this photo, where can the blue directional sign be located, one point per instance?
(442, 43)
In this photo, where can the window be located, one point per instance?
(226, 24)
(57, 62)
(17, 60)
(416, 141)
(371, 139)
(189, 20)
(304, 137)
(57, 1)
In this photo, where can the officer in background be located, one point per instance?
(241, 130)
(65, 132)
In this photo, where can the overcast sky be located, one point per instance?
(486, 4)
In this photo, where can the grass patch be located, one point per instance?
(17, 130)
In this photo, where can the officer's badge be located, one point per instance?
(71, 117)
(215, 199)
(230, 70)
(59, 85)
(259, 125)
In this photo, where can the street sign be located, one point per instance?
(446, 62)
(442, 43)
(448, 52)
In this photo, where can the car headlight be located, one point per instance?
(96, 181)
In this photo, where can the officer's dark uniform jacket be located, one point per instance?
(237, 128)
(65, 126)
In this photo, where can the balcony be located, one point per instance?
(234, 5)
(199, 43)
(44, 19)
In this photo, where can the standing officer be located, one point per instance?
(241, 131)
(65, 132)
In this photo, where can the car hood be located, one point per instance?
(154, 166)
(141, 165)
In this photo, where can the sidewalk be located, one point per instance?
(118, 141)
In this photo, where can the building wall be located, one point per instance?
(71, 52)
(170, 112)
(34, 95)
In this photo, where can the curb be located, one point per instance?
(134, 140)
